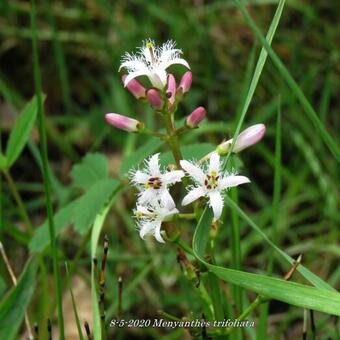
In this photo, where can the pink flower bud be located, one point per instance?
(123, 122)
(245, 139)
(185, 84)
(171, 90)
(195, 117)
(135, 87)
(154, 99)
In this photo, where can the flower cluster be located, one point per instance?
(207, 178)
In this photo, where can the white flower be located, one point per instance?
(153, 183)
(152, 61)
(150, 218)
(210, 182)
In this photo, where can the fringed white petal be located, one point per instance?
(176, 61)
(140, 177)
(157, 232)
(167, 200)
(147, 196)
(135, 74)
(216, 202)
(153, 165)
(214, 163)
(172, 177)
(193, 195)
(193, 171)
(232, 181)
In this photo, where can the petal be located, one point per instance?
(175, 61)
(134, 64)
(140, 177)
(134, 75)
(193, 171)
(216, 202)
(232, 181)
(168, 54)
(153, 165)
(193, 195)
(146, 228)
(157, 232)
(147, 196)
(172, 177)
(167, 200)
(158, 77)
(214, 164)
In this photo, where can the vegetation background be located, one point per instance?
(80, 46)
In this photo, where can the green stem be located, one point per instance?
(45, 168)
(236, 249)
(18, 200)
(148, 132)
(189, 216)
(172, 138)
(258, 301)
(183, 245)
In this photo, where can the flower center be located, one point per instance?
(149, 46)
(150, 214)
(211, 180)
(153, 182)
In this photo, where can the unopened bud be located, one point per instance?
(155, 99)
(123, 122)
(195, 117)
(185, 84)
(135, 87)
(171, 89)
(246, 138)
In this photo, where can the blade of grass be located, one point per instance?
(97, 227)
(311, 277)
(293, 293)
(257, 73)
(45, 168)
(262, 325)
(60, 59)
(296, 90)
(80, 333)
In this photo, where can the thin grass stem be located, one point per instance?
(45, 168)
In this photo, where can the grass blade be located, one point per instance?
(258, 70)
(262, 325)
(296, 90)
(14, 304)
(80, 333)
(296, 294)
(45, 168)
(97, 227)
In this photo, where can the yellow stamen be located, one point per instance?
(213, 173)
(149, 46)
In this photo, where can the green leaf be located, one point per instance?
(21, 131)
(133, 160)
(296, 294)
(90, 204)
(15, 303)
(311, 277)
(2, 287)
(91, 169)
(3, 162)
(80, 212)
(62, 218)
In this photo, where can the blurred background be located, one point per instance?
(80, 46)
